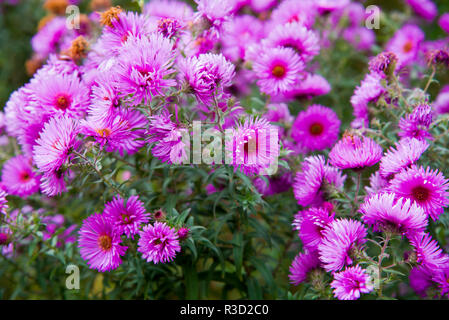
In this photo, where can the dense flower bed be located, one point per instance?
(210, 150)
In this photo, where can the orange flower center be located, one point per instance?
(105, 242)
(279, 71)
(316, 129)
(408, 46)
(420, 193)
(62, 102)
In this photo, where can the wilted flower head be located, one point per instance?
(384, 62)
(438, 57)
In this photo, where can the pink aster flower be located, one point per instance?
(428, 252)
(158, 243)
(143, 68)
(183, 233)
(441, 278)
(61, 94)
(125, 132)
(350, 283)
(443, 22)
(311, 86)
(385, 212)
(49, 38)
(215, 12)
(171, 142)
(405, 44)
(126, 216)
(295, 35)
(369, 90)
(57, 140)
(3, 202)
(277, 69)
(407, 152)
(254, 146)
(355, 152)
(360, 38)
(206, 76)
(416, 124)
(238, 34)
(302, 265)
(127, 25)
(169, 9)
(19, 177)
(316, 128)
(377, 184)
(420, 280)
(342, 239)
(301, 11)
(100, 245)
(312, 225)
(427, 188)
(310, 182)
(424, 8)
(105, 99)
(441, 104)
(53, 182)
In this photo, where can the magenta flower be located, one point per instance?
(3, 202)
(295, 35)
(309, 182)
(407, 152)
(100, 245)
(428, 252)
(302, 265)
(350, 283)
(169, 145)
(126, 216)
(105, 99)
(382, 62)
(427, 188)
(61, 94)
(48, 39)
(424, 8)
(215, 12)
(443, 22)
(277, 69)
(169, 9)
(144, 68)
(342, 239)
(378, 184)
(311, 86)
(311, 228)
(19, 177)
(420, 280)
(53, 182)
(158, 243)
(56, 142)
(254, 146)
(303, 12)
(416, 124)
(384, 212)
(206, 76)
(441, 278)
(355, 152)
(405, 44)
(316, 128)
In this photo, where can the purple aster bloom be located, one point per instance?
(300, 11)
(378, 184)
(405, 153)
(310, 182)
(420, 280)
(126, 25)
(326, 6)
(61, 94)
(260, 6)
(302, 265)
(254, 146)
(100, 245)
(277, 69)
(238, 34)
(388, 213)
(350, 283)
(206, 76)
(281, 182)
(360, 38)
(416, 124)
(311, 86)
(443, 22)
(343, 238)
(427, 188)
(124, 132)
(316, 128)
(105, 100)
(183, 233)
(441, 104)
(53, 182)
(126, 216)
(169, 9)
(441, 278)
(144, 66)
(312, 225)
(48, 39)
(405, 44)
(296, 36)
(215, 12)
(355, 152)
(428, 252)
(3, 202)
(169, 145)
(158, 243)
(19, 177)
(369, 90)
(57, 140)
(424, 8)
(383, 62)
(278, 113)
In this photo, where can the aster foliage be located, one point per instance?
(226, 149)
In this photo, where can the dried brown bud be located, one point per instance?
(108, 16)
